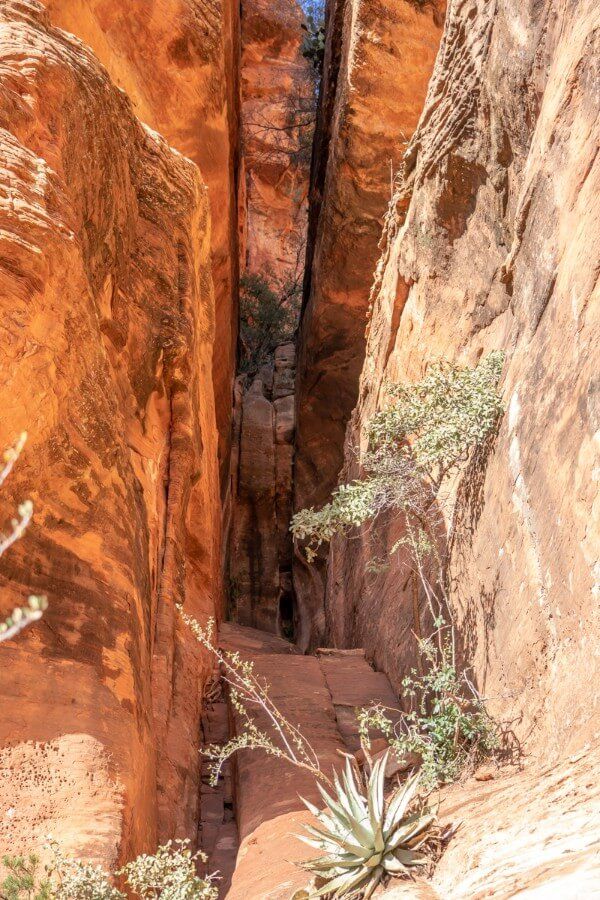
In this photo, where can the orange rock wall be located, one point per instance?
(275, 88)
(378, 61)
(500, 249)
(277, 115)
(260, 564)
(106, 351)
(178, 62)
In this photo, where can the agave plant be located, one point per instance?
(363, 838)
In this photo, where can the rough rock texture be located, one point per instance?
(500, 249)
(276, 88)
(217, 831)
(378, 61)
(177, 60)
(531, 831)
(529, 834)
(312, 692)
(277, 115)
(106, 357)
(261, 546)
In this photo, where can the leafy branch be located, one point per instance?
(21, 616)
(247, 691)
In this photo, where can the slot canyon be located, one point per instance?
(227, 231)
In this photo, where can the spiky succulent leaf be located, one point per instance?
(406, 835)
(361, 839)
(399, 804)
(343, 884)
(360, 830)
(338, 845)
(372, 884)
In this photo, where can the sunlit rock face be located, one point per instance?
(106, 360)
(178, 62)
(378, 61)
(277, 114)
(499, 250)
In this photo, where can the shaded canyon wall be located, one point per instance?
(260, 583)
(277, 124)
(499, 249)
(378, 61)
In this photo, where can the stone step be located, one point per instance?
(318, 694)
(353, 684)
(218, 836)
(252, 641)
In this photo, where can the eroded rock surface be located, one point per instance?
(530, 830)
(378, 61)
(277, 114)
(261, 544)
(178, 62)
(314, 693)
(106, 360)
(499, 249)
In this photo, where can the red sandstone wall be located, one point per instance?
(276, 87)
(177, 60)
(378, 61)
(500, 249)
(106, 354)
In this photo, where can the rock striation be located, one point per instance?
(262, 465)
(277, 111)
(106, 355)
(178, 62)
(499, 250)
(378, 61)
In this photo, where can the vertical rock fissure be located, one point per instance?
(277, 114)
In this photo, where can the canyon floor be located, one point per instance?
(230, 235)
(523, 829)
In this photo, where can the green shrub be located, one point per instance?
(427, 431)
(268, 317)
(448, 726)
(169, 874)
(24, 881)
(450, 411)
(313, 43)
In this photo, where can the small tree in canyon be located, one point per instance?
(313, 44)
(426, 434)
(268, 317)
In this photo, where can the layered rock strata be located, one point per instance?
(499, 249)
(106, 360)
(277, 110)
(378, 62)
(261, 545)
(178, 62)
